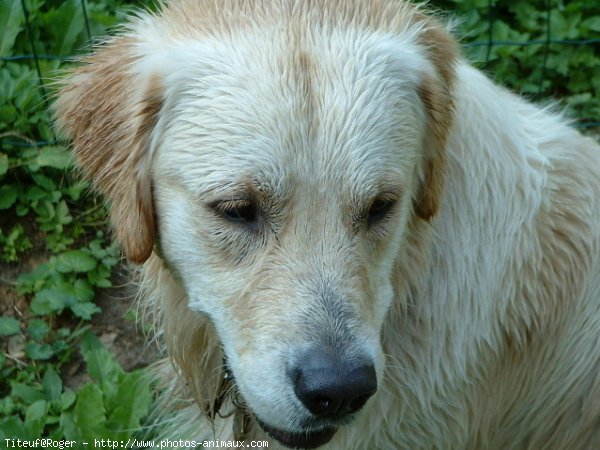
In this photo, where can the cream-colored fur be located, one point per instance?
(477, 296)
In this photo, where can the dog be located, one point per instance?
(352, 239)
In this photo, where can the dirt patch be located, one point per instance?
(117, 328)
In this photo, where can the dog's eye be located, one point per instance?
(241, 211)
(379, 209)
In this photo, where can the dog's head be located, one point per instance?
(275, 155)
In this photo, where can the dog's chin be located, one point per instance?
(301, 439)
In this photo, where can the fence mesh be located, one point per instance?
(484, 51)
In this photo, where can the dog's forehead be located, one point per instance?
(321, 108)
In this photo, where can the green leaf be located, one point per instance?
(28, 283)
(100, 362)
(100, 276)
(35, 418)
(37, 351)
(133, 400)
(593, 23)
(34, 193)
(8, 196)
(74, 191)
(71, 21)
(8, 114)
(38, 329)
(89, 413)
(7, 405)
(44, 182)
(9, 326)
(53, 300)
(12, 428)
(56, 157)
(83, 291)
(68, 426)
(67, 399)
(10, 24)
(85, 310)
(75, 261)
(3, 163)
(62, 213)
(52, 385)
(27, 393)
(63, 294)
(21, 210)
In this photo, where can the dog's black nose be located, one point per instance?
(330, 387)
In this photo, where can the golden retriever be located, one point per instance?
(352, 238)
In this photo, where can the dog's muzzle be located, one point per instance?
(331, 389)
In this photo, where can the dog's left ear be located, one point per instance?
(109, 108)
(435, 92)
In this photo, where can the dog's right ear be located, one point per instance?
(109, 109)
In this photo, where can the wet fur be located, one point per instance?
(489, 335)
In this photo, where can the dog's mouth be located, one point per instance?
(301, 439)
(307, 439)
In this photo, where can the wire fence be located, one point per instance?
(489, 45)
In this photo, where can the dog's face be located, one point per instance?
(281, 201)
(286, 166)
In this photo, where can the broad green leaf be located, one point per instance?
(68, 426)
(65, 24)
(8, 196)
(593, 23)
(21, 210)
(3, 163)
(62, 213)
(63, 295)
(8, 113)
(34, 280)
(83, 291)
(85, 310)
(40, 352)
(74, 191)
(7, 405)
(11, 14)
(133, 400)
(38, 329)
(89, 412)
(101, 364)
(27, 393)
(53, 300)
(100, 276)
(56, 157)
(67, 399)
(34, 193)
(9, 326)
(52, 385)
(36, 410)
(35, 418)
(12, 428)
(23, 101)
(75, 261)
(44, 182)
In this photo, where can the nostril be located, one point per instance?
(324, 403)
(322, 406)
(358, 402)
